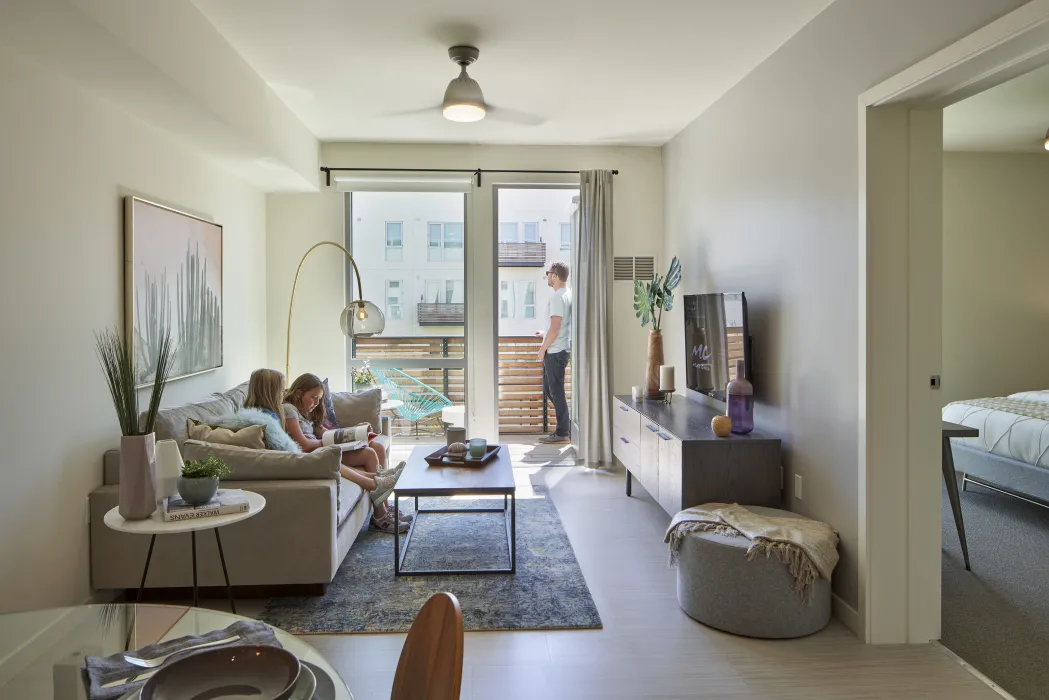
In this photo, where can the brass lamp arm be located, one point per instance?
(295, 284)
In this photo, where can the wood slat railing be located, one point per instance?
(522, 408)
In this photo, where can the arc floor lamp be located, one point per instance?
(360, 318)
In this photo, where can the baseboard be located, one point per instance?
(846, 615)
(154, 595)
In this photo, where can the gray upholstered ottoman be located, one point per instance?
(717, 586)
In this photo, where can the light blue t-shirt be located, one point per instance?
(561, 305)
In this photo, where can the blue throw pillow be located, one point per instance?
(329, 408)
(274, 437)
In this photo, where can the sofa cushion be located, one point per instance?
(330, 419)
(276, 438)
(350, 494)
(171, 422)
(362, 407)
(249, 436)
(247, 464)
(236, 395)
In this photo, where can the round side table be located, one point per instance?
(155, 525)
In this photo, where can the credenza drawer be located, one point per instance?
(627, 421)
(625, 450)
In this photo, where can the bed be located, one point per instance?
(1012, 451)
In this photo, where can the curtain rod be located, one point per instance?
(476, 172)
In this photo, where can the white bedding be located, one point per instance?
(1024, 438)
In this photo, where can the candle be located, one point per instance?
(666, 378)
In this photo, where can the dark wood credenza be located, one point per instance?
(672, 451)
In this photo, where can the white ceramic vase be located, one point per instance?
(169, 469)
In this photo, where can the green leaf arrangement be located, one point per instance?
(205, 468)
(651, 299)
(117, 359)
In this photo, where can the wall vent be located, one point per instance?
(628, 269)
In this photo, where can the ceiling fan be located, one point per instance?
(464, 101)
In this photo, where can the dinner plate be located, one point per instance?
(305, 685)
(227, 673)
(325, 685)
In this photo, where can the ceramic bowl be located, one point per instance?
(229, 673)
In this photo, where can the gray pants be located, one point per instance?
(554, 365)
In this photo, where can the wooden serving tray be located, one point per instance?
(441, 458)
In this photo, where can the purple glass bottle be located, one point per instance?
(741, 402)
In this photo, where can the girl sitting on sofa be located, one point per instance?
(301, 412)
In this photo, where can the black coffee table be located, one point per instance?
(420, 480)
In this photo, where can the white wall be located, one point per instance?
(995, 284)
(762, 196)
(294, 223)
(68, 158)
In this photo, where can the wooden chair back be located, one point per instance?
(431, 663)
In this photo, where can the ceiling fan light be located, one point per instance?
(463, 100)
(463, 113)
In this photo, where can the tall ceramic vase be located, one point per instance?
(655, 360)
(138, 476)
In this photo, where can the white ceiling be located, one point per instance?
(596, 71)
(1013, 116)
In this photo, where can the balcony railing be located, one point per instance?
(522, 254)
(441, 314)
(522, 408)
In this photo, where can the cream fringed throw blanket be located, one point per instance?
(807, 547)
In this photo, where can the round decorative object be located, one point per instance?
(197, 492)
(361, 319)
(721, 425)
(457, 449)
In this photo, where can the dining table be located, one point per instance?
(42, 652)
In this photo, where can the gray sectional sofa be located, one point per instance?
(312, 515)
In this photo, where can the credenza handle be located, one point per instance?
(665, 437)
(652, 428)
(625, 440)
(623, 408)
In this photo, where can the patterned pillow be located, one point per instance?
(331, 421)
(252, 436)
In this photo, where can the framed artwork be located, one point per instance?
(172, 280)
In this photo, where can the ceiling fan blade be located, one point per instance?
(433, 109)
(513, 116)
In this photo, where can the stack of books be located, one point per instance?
(224, 503)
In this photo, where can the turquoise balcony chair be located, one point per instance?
(418, 401)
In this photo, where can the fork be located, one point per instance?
(153, 663)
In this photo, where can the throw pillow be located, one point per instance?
(250, 436)
(361, 407)
(275, 436)
(331, 421)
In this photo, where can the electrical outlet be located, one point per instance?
(797, 486)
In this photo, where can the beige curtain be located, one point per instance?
(592, 356)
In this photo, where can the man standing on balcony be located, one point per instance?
(554, 352)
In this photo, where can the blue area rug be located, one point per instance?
(547, 592)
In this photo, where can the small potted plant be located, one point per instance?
(363, 378)
(200, 479)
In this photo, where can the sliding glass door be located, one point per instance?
(410, 247)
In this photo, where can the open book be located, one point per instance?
(349, 439)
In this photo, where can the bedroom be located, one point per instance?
(996, 380)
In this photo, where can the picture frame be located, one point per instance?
(172, 280)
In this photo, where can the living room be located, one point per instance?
(106, 101)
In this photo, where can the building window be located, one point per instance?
(506, 300)
(527, 295)
(394, 240)
(432, 294)
(393, 300)
(508, 232)
(444, 242)
(531, 232)
(566, 235)
(445, 292)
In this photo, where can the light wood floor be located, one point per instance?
(649, 649)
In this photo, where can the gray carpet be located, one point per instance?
(997, 616)
(547, 592)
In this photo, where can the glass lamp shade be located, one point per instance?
(362, 319)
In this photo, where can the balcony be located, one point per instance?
(522, 254)
(441, 314)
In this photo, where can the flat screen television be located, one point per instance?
(715, 337)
